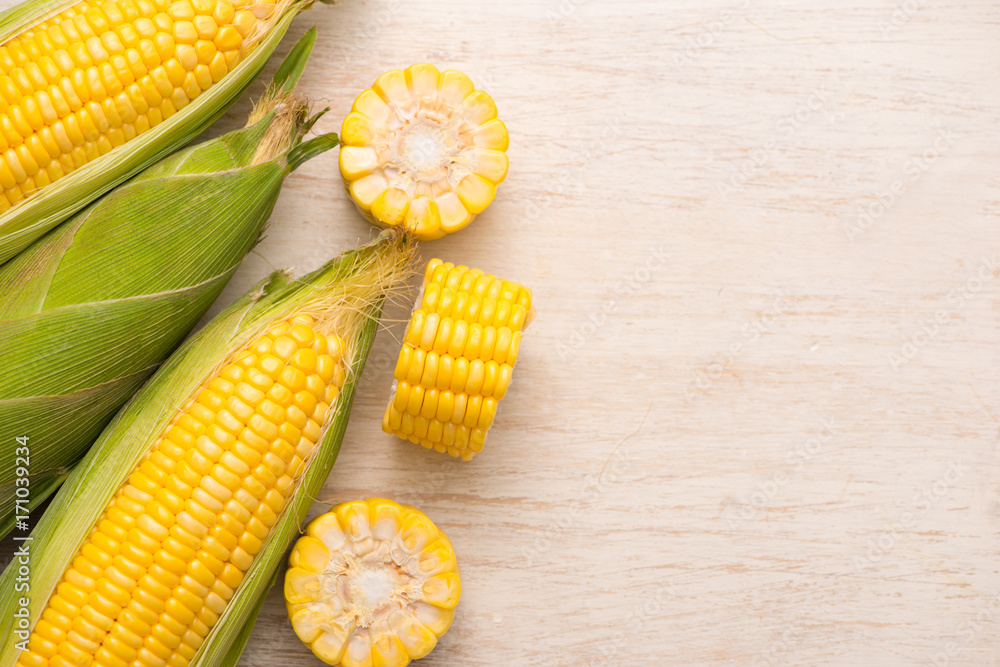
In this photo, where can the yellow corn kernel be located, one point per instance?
(435, 171)
(457, 357)
(158, 568)
(87, 56)
(372, 583)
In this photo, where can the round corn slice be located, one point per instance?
(457, 358)
(423, 149)
(372, 583)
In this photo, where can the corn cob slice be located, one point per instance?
(457, 358)
(423, 149)
(158, 547)
(91, 91)
(97, 282)
(372, 584)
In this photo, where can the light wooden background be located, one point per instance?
(756, 421)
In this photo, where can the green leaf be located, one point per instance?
(74, 347)
(40, 490)
(233, 149)
(239, 642)
(24, 14)
(307, 150)
(54, 447)
(312, 120)
(294, 64)
(27, 277)
(164, 233)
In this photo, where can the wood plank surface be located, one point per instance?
(756, 420)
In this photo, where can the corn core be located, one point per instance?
(372, 584)
(424, 149)
(167, 554)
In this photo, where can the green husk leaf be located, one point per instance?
(25, 279)
(294, 63)
(84, 342)
(46, 487)
(205, 239)
(52, 442)
(307, 150)
(347, 295)
(316, 116)
(25, 14)
(112, 292)
(221, 154)
(44, 209)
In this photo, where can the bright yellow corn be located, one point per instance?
(372, 584)
(457, 358)
(424, 149)
(163, 560)
(100, 73)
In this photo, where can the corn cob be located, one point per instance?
(372, 584)
(133, 272)
(423, 149)
(160, 544)
(91, 91)
(457, 358)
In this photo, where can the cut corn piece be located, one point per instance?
(457, 358)
(372, 583)
(423, 149)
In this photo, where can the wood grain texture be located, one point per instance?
(756, 421)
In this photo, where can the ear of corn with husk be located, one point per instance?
(92, 91)
(260, 344)
(88, 311)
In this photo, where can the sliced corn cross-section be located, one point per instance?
(372, 584)
(423, 149)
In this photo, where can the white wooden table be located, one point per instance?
(756, 421)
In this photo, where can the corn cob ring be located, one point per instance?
(372, 583)
(457, 359)
(423, 149)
